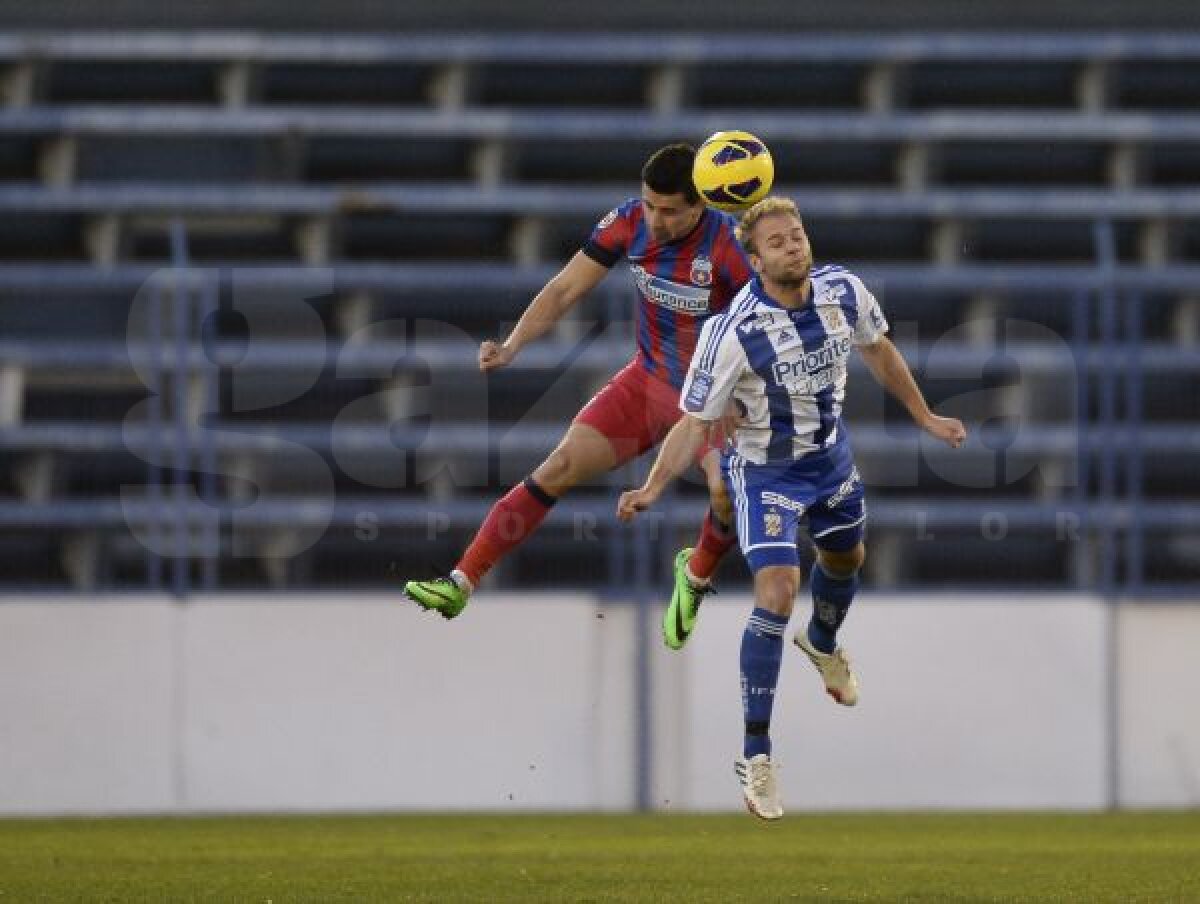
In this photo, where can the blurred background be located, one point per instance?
(244, 269)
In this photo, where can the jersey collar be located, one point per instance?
(766, 299)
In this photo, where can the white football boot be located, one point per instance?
(759, 788)
(834, 667)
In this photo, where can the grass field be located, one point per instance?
(559, 858)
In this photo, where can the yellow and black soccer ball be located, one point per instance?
(733, 170)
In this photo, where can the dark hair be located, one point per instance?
(669, 171)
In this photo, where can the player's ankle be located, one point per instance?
(822, 639)
(695, 582)
(463, 582)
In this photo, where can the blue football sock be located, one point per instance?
(831, 601)
(762, 651)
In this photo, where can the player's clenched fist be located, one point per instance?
(949, 430)
(634, 501)
(494, 355)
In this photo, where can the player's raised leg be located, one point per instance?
(775, 588)
(694, 566)
(583, 453)
(833, 582)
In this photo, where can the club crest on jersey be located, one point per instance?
(698, 391)
(832, 318)
(702, 271)
(609, 219)
(772, 524)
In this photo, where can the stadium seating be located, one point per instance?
(242, 277)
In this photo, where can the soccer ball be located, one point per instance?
(733, 170)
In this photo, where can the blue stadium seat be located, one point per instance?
(1027, 206)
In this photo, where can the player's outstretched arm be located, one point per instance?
(677, 453)
(571, 283)
(890, 370)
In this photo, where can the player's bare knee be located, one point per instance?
(776, 589)
(842, 563)
(559, 472)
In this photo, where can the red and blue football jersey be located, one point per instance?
(680, 284)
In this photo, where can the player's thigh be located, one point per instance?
(582, 453)
(625, 412)
(837, 525)
(766, 515)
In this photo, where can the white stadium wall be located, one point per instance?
(87, 706)
(1158, 706)
(987, 703)
(313, 704)
(318, 703)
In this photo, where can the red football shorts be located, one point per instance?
(635, 411)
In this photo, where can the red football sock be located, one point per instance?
(510, 521)
(715, 540)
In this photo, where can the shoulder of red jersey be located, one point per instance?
(610, 236)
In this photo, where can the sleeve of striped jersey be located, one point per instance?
(609, 238)
(716, 367)
(872, 325)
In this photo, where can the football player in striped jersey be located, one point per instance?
(780, 351)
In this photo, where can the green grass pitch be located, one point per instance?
(568, 858)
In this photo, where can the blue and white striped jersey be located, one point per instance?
(787, 368)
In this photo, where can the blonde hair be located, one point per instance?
(763, 208)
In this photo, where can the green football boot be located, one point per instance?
(680, 617)
(441, 595)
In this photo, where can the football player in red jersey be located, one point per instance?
(687, 265)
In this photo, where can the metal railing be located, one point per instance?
(233, 45)
(557, 125)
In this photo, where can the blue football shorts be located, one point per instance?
(770, 501)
